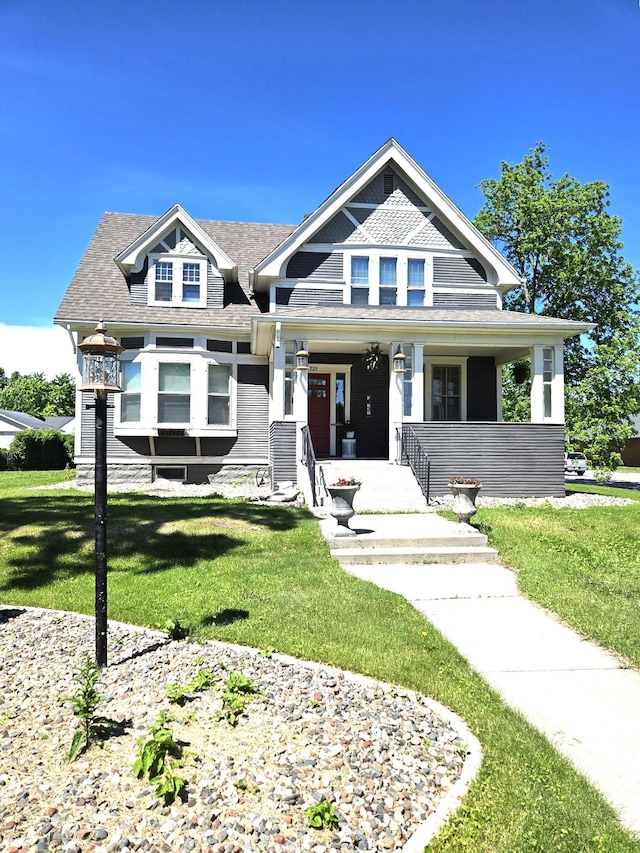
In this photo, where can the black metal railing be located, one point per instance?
(417, 457)
(316, 474)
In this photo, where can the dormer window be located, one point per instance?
(178, 281)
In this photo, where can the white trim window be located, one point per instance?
(174, 392)
(130, 397)
(388, 281)
(415, 282)
(178, 280)
(547, 380)
(219, 395)
(289, 374)
(359, 280)
(446, 392)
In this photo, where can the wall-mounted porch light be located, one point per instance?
(302, 359)
(399, 361)
(100, 374)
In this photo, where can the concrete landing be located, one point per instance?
(580, 696)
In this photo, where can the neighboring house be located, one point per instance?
(11, 423)
(212, 314)
(631, 453)
(64, 423)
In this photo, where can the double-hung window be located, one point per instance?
(415, 281)
(446, 392)
(190, 282)
(388, 290)
(130, 397)
(164, 281)
(219, 395)
(547, 379)
(179, 281)
(174, 393)
(359, 280)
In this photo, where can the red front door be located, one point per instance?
(320, 411)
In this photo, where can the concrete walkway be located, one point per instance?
(581, 697)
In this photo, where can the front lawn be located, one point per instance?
(263, 576)
(583, 564)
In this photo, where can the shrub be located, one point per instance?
(3, 459)
(40, 450)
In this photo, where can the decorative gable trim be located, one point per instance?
(132, 259)
(390, 154)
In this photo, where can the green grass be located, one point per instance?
(263, 576)
(583, 564)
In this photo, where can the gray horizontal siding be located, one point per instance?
(282, 452)
(511, 460)
(298, 297)
(133, 446)
(471, 301)
(448, 270)
(138, 285)
(253, 410)
(325, 266)
(215, 289)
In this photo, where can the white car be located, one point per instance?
(575, 463)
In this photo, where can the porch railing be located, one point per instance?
(316, 474)
(412, 450)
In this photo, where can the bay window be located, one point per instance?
(130, 397)
(219, 395)
(174, 393)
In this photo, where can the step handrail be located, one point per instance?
(412, 450)
(316, 474)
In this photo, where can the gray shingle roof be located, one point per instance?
(26, 421)
(397, 313)
(99, 289)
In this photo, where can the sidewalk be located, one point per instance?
(580, 696)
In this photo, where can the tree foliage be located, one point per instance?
(41, 450)
(561, 239)
(34, 395)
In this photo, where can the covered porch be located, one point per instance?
(378, 371)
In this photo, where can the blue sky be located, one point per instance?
(253, 110)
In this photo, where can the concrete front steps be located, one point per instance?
(411, 539)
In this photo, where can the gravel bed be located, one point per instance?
(385, 758)
(250, 491)
(573, 501)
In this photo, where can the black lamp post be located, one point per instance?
(100, 374)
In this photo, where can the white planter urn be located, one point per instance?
(464, 500)
(342, 508)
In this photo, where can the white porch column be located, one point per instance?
(537, 385)
(396, 382)
(277, 379)
(499, 392)
(557, 386)
(417, 384)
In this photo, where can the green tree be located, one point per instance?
(36, 396)
(560, 237)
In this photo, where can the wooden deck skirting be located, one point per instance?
(511, 459)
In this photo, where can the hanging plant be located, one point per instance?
(372, 356)
(520, 372)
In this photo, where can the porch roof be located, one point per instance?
(395, 322)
